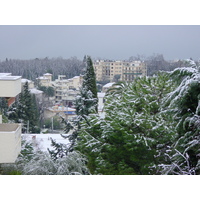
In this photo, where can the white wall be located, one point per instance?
(10, 86)
(10, 142)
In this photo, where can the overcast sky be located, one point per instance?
(110, 42)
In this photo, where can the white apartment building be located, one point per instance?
(66, 90)
(10, 134)
(30, 83)
(45, 80)
(119, 70)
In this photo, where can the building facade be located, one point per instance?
(45, 80)
(10, 134)
(66, 90)
(119, 70)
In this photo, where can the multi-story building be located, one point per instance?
(60, 86)
(45, 80)
(119, 70)
(30, 83)
(10, 134)
(66, 90)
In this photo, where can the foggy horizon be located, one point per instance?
(114, 42)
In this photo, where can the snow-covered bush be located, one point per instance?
(134, 133)
(35, 162)
(43, 164)
(183, 105)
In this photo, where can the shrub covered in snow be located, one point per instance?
(151, 126)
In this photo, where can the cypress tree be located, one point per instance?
(86, 103)
(89, 79)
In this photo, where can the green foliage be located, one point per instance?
(43, 164)
(89, 78)
(134, 131)
(35, 162)
(27, 151)
(48, 91)
(85, 103)
(57, 123)
(25, 111)
(15, 173)
(183, 105)
(60, 150)
(3, 105)
(3, 109)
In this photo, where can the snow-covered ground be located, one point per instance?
(42, 141)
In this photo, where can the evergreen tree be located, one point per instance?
(134, 135)
(85, 104)
(48, 91)
(3, 105)
(59, 150)
(89, 78)
(25, 111)
(183, 104)
(3, 109)
(89, 84)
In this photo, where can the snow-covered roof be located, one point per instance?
(5, 74)
(35, 91)
(41, 77)
(47, 74)
(23, 80)
(109, 85)
(9, 78)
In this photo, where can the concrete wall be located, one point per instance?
(10, 86)
(10, 142)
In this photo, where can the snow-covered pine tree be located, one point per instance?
(25, 111)
(3, 105)
(89, 78)
(183, 104)
(85, 104)
(59, 151)
(134, 134)
(86, 101)
(3, 109)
